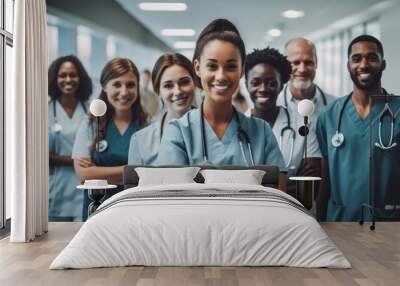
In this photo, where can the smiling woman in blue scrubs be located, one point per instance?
(217, 133)
(173, 79)
(69, 89)
(343, 135)
(120, 91)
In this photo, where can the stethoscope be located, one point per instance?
(162, 121)
(316, 86)
(291, 131)
(338, 137)
(288, 127)
(386, 111)
(56, 127)
(241, 134)
(162, 125)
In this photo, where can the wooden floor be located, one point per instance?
(374, 255)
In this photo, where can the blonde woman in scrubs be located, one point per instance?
(69, 89)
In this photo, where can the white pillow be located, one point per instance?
(166, 176)
(248, 177)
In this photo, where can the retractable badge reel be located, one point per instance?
(102, 146)
(56, 127)
(337, 139)
(98, 108)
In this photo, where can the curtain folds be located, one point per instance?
(26, 129)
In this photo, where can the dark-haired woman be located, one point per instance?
(173, 79)
(69, 90)
(267, 71)
(120, 91)
(216, 133)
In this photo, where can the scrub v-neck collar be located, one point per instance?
(115, 129)
(362, 124)
(228, 135)
(65, 113)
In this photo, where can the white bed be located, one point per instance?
(203, 225)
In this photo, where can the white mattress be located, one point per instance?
(207, 230)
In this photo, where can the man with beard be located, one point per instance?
(343, 135)
(266, 72)
(301, 53)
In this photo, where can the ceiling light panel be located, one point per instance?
(158, 6)
(178, 32)
(275, 32)
(293, 14)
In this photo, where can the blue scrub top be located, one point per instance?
(182, 143)
(349, 163)
(64, 201)
(145, 144)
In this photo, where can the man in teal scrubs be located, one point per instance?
(345, 164)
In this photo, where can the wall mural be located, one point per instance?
(108, 110)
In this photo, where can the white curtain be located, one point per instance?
(26, 124)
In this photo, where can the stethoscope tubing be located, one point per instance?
(55, 111)
(293, 137)
(381, 116)
(325, 102)
(56, 126)
(240, 131)
(289, 127)
(291, 146)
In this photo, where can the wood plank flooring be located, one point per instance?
(374, 255)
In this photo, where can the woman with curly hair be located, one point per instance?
(69, 89)
(267, 71)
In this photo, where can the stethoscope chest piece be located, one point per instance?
(102, 145)
(337, 139)
(303, 130)
(56, 127)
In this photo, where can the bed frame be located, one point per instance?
(270, 179)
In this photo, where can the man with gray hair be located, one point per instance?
(301, 54)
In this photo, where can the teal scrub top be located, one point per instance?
(116, 153)
(64, 201)
(182, 143)
(144, 145)
(349, 163)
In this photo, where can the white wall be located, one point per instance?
(390, 36)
